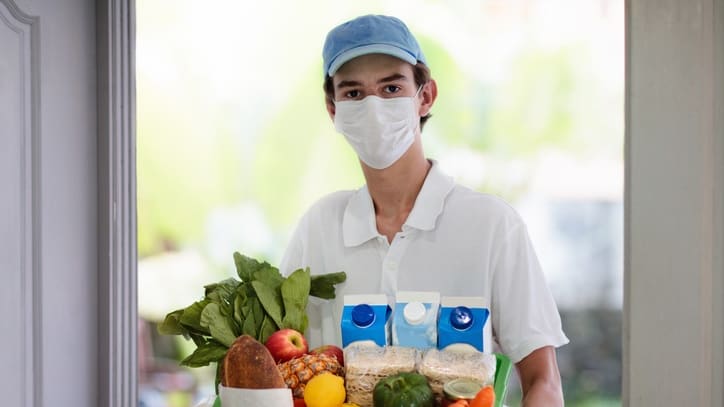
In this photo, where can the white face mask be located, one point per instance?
(379, 129)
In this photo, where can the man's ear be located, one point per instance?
(428, 94)
(330, 108)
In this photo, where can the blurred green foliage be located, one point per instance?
(190, 159)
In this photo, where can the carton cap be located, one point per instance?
(414, 313)
(461, 318)
(363, 315)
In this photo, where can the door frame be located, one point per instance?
(642, 374)
(117, 248)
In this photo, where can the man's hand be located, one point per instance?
(540, 379)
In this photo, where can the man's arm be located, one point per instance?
(540, 378)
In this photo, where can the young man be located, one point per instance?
(411, 227)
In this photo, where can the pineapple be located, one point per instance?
(298, 371)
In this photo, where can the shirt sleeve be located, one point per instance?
(525, 316)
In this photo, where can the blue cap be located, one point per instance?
(370, 34)
(363, 315)
(461, 318)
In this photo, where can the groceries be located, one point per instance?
(463, 321)
(253, 329)
(444, 366)
(299, 371)
(365, 365)
(415, 319)
(261, 303)
(325, 390)
(286, 344)
(420, 319)
(403, 390)
(365, 318)
(249, 376)
(249, 365)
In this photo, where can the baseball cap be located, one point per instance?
(370, 34)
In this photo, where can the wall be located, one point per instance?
(48, 210)
(673, 341)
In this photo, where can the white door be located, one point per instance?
(48, 203)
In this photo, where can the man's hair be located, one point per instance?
(422, 76)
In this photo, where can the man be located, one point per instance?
(411, 227)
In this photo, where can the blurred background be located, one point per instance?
(234, 143)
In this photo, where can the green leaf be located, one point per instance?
(222, 291)
(171, 325)
(269, 276)
(257, 310)
(191, 317)
(322, 285)
(198, 339)
(217, 324)
(206, 353)
(246, 266)
(239, 309)
(252, 321)
(270, 300)
(268, 327)
(295, 294)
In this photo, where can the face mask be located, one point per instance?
(379, 129)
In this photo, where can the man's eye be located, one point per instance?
(352, 94)
(392, 88)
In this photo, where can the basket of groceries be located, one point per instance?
(422, 350)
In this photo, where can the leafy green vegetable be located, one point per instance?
(171, 325)
(205, 353)
(218, 324)
(295, 294)
(268, 327)
(261, 303)
(271, 300)
(191, 317)
(322, 285)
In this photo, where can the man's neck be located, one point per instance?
(395, 189)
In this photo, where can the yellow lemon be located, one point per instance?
(324, 390)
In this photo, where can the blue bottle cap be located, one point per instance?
(363, 315)
(461, 318)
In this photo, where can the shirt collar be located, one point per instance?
(359, 223)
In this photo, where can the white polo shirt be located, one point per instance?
(455, 241)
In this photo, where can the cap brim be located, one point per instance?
(346, 56)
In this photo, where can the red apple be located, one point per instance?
(329, 350)
(286, 344)
(299, 402)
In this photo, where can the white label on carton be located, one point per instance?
(369, 299)
(419, 296)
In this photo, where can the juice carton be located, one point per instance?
(366, 318)
(415, 322)
(464, 321)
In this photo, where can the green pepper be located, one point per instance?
(403, 390)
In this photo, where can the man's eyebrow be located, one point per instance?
(348, 84)
(392, 78)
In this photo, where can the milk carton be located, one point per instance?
(464, 321)
(366, 318)
(415, 322)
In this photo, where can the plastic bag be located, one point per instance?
(366, 364)
(442, 366)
